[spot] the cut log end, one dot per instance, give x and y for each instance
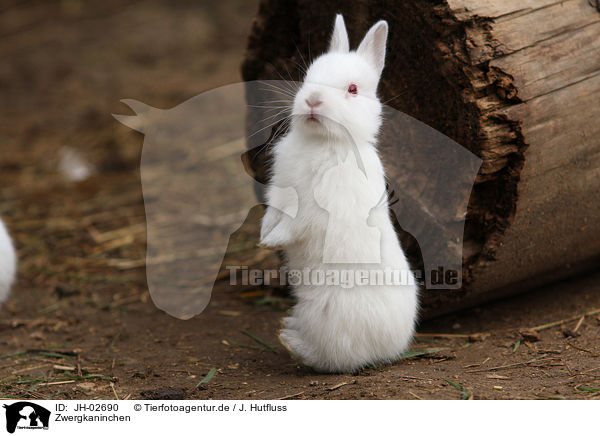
(470, 69)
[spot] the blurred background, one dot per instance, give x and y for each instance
(66, 64)
(67, 167)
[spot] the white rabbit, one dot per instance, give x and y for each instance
(329, 157)
(8, 263)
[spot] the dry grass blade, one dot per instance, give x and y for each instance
(287, 397)
(516, 365)
(112, 386)
(421, 353)
(63, 382)
(571, 344)
(114, 244)
(563, 321)
(63, 368)
(339, 385)
(579, 323)
(100, 238)
(549, 397)
(415, 395)
(443, 335)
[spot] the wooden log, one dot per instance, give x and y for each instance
(517, 82)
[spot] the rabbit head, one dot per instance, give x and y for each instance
(338, 96)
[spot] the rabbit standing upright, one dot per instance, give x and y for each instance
(329, 157)
(8, 263)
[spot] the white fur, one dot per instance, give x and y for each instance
(8, 263)
(333, 329)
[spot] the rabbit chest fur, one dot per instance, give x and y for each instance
(342, 224)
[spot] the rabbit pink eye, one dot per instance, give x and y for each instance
(353, 89)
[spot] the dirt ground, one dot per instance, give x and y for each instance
(77, 326)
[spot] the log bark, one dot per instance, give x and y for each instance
(517, 82)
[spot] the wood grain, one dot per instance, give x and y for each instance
(552, 53)
(515, 81)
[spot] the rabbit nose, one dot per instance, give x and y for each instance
(313, 100)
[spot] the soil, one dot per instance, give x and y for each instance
(77, 326)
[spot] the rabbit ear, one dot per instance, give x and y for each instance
(339, 38)
(372, 46)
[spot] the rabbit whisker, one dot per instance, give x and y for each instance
(284, 125)
(287, 92)
(266, 127)
(274, 115)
